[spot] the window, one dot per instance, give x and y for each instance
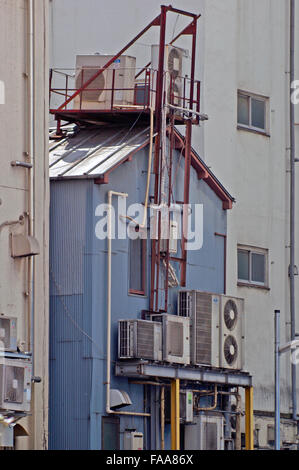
(252, 112)
(137, 265)
(252, 266)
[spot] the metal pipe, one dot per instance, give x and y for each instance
(277, 380)
(30, 267)
(238, 442)
(210, 408)
(292, 202)
(22, 164)
(108, 377)
(163, 418)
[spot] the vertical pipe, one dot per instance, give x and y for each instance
(162, 418)
(292, 201)
(277, 380)
(158, 116)
(249, 418)
(186, 199)
(238, 422)
(30, 320)
(175, 414)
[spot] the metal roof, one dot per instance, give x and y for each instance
(91, 153)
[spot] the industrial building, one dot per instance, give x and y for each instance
(139, 320)
(244, 64)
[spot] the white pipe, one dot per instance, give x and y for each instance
(202, 117)
(108, 378)
(30, 175)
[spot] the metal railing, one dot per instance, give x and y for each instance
(117, 95)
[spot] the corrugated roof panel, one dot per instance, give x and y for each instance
(93, 155)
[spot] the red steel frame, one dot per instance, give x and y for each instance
(191, 30)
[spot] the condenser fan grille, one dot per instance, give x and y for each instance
(230, 314)
(174, 62)
(95, 89)
(230, 350)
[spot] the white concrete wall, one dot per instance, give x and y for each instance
(242, 44)
(14, 184)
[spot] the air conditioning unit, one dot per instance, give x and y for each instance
(231, 332)
(15, 384)
(139, 339)
(207, 433)
(174, 68)
(98, 94)
(8, 333)
(176, 338)
(203, 310)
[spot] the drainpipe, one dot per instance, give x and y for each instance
(108, 379)
(30, 315)
(292, 267)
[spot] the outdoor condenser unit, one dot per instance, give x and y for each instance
(216, 328)
(231, 332)
(203, 310)
(99, 94)
(174, 67)
(206, 433)
(139, 339)
(176, 338)
(15, 384)
(8, 334)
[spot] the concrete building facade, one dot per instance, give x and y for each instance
(24, 197)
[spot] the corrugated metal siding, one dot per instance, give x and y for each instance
(70, 350)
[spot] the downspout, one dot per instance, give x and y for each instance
(108, 378)
(292, 267)
(30, 331)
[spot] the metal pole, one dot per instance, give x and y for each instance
(292, 201)
(249, 418)
(277, 380)
(175, 414)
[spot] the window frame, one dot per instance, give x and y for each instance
(250, 127)
(254, 251)
(141, 292)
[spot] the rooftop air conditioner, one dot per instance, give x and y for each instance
(176, 338)
(139, 339)
(98, 94)
(8, 334)
(203, 310)
(231, 332)
(174, 70)
(15, 384)
(207, 433)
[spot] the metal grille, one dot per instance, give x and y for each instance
(209, 440)
(14, 384)
(185, 303)
(203, 329)
(124, 339)
(175, 336)
(145, 340)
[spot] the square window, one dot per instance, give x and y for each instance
(252, 266)
(252, 111)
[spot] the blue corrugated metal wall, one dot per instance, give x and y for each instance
(79, 263)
